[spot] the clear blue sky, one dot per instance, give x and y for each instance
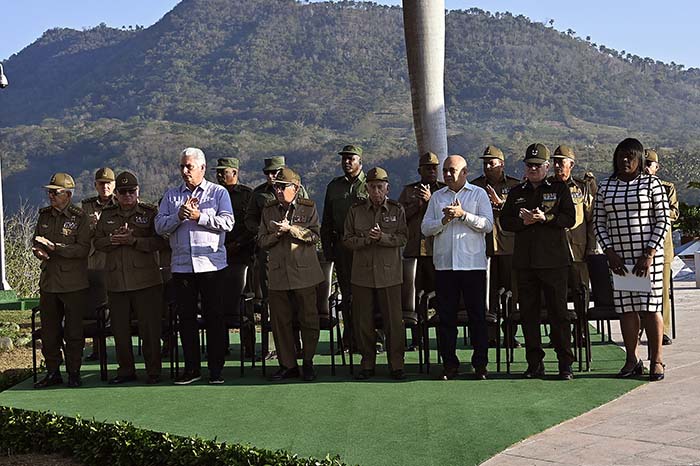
(666, 31)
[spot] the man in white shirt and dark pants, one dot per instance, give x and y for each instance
(459, 216)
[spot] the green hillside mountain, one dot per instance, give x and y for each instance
(263, 77)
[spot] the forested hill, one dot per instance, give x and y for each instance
(263, 77)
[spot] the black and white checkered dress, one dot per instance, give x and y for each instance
(630, 217)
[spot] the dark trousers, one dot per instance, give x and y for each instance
(283, 305)
(146, 305)
(470, 285)
(62, 320)
(189, 289)
(552, 284)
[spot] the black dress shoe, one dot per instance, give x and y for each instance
(666, 340)
(364, 374)
(656, 376)
(481, 373)
(534, 371)
(309, 372)
(398, 374)
(637, 369)
(565, 372)
(120, 379)
(50, 379)
(74, 381)
(284, 373)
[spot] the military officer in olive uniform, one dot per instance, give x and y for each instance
(289, 230)
(375, 230)
(539, 211)
(581, 238)
(499, 243)
(62, 243)
(341, 193)
(652, 166)
(104, 186)
(414, 199)
(126, 234)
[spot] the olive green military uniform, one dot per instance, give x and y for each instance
(674, 213)
(134, 283)
(63, 284)
(541, 256)
(377, 274)
(294, 273)
(93, 206)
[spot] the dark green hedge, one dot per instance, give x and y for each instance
(122, 444)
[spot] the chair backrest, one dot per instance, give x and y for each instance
(323, 291)
(601, 282)
(97, 293)
(408, 288)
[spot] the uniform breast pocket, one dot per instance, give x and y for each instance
(548, 206)
(140, 230)
(389, 225)
(69, 238)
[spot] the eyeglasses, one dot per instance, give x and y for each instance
(125, 191)
(271, 172)
(55, 192)
(649, 163)
(282, 187)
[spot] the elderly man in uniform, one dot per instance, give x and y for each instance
(459, 216)
(240, 242)
(126, 234)
(539, 211)
(62, 243)
(341, 193)
(289, 230)
(499, 243)
(581, 238)
(375, 230)
(196, 215)
(652, 166)
(414, 199)
(104, 186)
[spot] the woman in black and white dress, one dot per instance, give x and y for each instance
(631, 218)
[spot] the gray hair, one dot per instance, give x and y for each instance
(195, 153)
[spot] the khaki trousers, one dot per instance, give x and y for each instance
(62, 321)
(282, 311)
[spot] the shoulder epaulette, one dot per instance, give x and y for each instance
(579, 180)
(46, 209)
(271, 202)
(512, 178)
(410, 185)
(75, 210)
(359, 202)
(89, 199)
(260, 187)
(148, 206)
(303, 201)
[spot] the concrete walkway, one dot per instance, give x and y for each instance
(656, 424)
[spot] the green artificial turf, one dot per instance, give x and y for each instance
(419, 421)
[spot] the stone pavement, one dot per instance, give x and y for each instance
(656, 424)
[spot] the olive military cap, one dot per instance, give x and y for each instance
(493, 152)
(274, 163)
(104, 174)
(651, 156)
(287, 176)
(536, 153)
(429, 158)
(564, 152)
(126, 180)
(61, 181)
(227, 162)
(351, 150)
(377, 174)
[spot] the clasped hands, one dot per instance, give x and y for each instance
(640, 269)
(40, 252)
(532, 216)
(189, 210)
(122, 236)
(452, 211)
(281, 227)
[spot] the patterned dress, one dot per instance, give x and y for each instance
(630, 217)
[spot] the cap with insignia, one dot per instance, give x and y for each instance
(429, 158)
(104, 174)
(61, 181)
(274, 163)
(377, 174)
(227, 162)
(287, 176)
(493, 152)
(564, 152)
(351, 150)
(651, 156)
(536, 153)
(126, 180)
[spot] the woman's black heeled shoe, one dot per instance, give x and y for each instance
(656, 376)
(637, 369)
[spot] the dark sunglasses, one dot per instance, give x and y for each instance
(534, 165)
(55, 192)
(648, 163)
(124, 191)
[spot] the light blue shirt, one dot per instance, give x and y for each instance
(196, 246)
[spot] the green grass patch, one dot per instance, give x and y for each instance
(381, 422)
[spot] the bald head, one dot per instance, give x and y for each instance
(454, 171)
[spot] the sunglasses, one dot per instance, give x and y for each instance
(124, 191)
(649, 163)
(55, 192)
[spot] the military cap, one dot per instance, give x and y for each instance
(61, 181)
(564, 152)
(352, 150)
(126, 180)
(287, 176)
(274, 163)
(536, 153)
(429, 158)
(493, 152)
(227, 162)
(104, 174)
(377, 174)
(651, 156)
